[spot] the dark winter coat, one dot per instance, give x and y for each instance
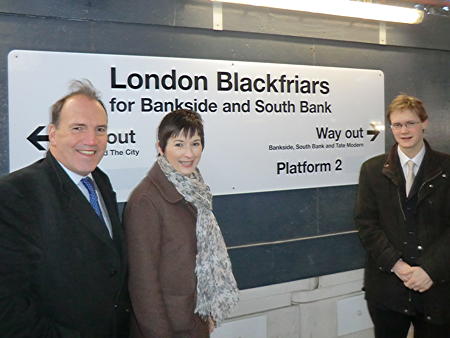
(381, 218)
(61, 274)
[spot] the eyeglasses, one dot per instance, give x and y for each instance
(408, 125)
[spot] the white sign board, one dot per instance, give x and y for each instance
(267, 126)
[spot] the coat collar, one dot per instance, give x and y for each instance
(164, 186)
(431, 164)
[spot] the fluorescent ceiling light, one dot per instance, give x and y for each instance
(354, 9)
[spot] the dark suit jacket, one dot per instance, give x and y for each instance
(160, 229)
(61, 274)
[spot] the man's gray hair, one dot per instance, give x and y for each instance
(76, 87)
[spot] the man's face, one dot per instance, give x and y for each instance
(409, 131)
(79, 141)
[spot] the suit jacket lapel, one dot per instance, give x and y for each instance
(78, 206)
(109, 197)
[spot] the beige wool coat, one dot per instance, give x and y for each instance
(160, 231)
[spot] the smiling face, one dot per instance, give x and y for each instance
(410, 140)
(183, 152)
(79, 139)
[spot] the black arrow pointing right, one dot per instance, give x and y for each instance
(35, 138)
(373, 132)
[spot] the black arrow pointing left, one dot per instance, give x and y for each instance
(35, 138)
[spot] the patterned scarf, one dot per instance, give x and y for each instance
(217, 292)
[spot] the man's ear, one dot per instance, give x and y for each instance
(425, 125)
(51, 134)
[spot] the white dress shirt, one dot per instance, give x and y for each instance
(416, 159)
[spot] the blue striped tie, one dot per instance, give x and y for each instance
(89, 184)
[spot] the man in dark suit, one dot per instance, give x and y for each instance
(62, 257)
(403, 218)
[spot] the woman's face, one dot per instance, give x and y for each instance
(183, 153)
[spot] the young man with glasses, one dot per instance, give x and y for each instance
(403, 219)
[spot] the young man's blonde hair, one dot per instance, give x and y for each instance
(406, 102)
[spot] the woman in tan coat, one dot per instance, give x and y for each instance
(181, 283)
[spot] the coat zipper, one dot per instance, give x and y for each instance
(401, 204)
(420, 188)
(429, 180)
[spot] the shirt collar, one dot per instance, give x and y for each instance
(416, 159)
(76, 178)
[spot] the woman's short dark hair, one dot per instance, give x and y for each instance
(181, 120)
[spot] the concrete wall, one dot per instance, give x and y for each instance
(326, 306)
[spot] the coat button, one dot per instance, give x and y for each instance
(419, 247)
(116, 306)
(405, 311)
(444, 175)
(428, 317)
(431, 186)
(405, 243)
